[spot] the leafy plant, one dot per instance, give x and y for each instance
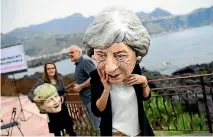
(163, 114)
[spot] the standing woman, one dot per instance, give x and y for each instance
(58, 122)
(117, 41)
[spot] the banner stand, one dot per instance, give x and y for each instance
(13, 61)
(22, 110)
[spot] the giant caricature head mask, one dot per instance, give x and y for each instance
(52, 102)
(117, 40)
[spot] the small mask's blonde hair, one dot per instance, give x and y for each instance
(45, 91)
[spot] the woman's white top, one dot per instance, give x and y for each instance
(124, 109)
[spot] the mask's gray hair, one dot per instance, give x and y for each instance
(116, 25)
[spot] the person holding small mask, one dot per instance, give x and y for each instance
(59, 118)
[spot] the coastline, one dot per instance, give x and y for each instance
(56, 57)
(26, 83)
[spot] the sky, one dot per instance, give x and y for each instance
(22, 13)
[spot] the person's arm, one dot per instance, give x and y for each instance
(145, 90)
(31, 96)
(146, 93)
(85, 84)
(64, 93)
(79, 87)
(89, 66)
(101, 103)
(138, 79)
(98, 97)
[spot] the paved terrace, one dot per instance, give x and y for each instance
(35, 124)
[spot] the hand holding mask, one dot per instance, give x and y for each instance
(51, 100)
(104, 79)
(134, 79)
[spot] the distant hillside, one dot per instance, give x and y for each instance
(40, 45)
(72, 24)
(159, 13)
(57, 34)
(75, 23)
(155, 14)
(168, 23)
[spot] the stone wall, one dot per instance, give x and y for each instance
(24, 85)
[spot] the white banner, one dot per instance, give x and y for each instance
(13, 59)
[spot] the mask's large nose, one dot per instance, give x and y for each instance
(111, 64)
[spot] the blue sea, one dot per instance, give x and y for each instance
(167, 53)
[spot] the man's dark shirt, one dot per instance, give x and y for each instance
(84, 66)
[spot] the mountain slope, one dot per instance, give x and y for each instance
(57, 34)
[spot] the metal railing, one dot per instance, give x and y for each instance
(82, 123)
(177, 107)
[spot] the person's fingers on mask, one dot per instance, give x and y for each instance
(107, 77)
(104, 80)
(125, 81)
(41, 100)
(125, 84)
(128, 79)
(132, 77)
(99, 72)
(132, 81)
(103, 74)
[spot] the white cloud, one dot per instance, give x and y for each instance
(22, 13)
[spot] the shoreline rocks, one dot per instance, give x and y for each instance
(188, 96)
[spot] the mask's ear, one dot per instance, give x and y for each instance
(138, 57)
(93, 57)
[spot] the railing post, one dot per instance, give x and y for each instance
(206, 105)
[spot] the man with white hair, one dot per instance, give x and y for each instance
(84, 65)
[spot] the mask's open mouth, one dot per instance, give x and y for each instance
(56, 106)
(113, 76)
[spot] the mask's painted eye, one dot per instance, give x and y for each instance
(121, 57)
(101, 57)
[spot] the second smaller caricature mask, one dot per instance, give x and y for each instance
(52, 102)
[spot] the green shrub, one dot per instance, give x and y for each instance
(161, 110)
